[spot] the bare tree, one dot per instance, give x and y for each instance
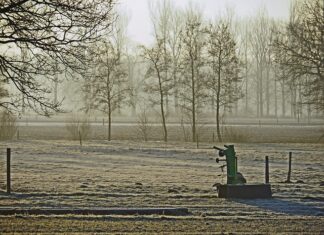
(224, 65)
(110, 83)
(143, 124)
(48, 32)
(168, 23)
(245, 58)
(282, 74)
(193, 91)
(132, 82)
(159, 85)
(175, 45)
(302, 45)
(260, 45)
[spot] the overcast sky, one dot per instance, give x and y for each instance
(139, 28)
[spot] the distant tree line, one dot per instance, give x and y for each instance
(195, 67)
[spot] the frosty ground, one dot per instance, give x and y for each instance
(100, 174)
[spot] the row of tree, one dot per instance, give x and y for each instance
(191, 64)
(193, 67)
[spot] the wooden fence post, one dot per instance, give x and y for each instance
(8, 171)
(267, 170)
(289, 168)
(197, 138)
(80, 138)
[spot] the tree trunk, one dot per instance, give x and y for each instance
(293, 106)
(268, 90)
(218, 102)
(257, 91)
(175, 85)
(261, 92)
(193, 101)
(283, 99)
(56, 89)
(246, 81)
(300, 101)
(165, 131)
(109, 123)
(276, 98)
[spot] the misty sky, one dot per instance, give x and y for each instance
(140, 26)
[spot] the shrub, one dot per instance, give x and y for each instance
(8, 126)
(78, 127)
(235, 135)
(143, 125)
(186, 130)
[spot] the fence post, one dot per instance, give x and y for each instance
(8, 171)
(289, 168)
(80, 138)
(197, 138)
(267, 170)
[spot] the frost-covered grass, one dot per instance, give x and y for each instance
(164, 225)
(57, 173)
(206, 133)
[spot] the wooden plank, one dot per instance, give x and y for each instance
(96, 211)
(248, 191)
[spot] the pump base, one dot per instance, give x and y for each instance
(244, 191)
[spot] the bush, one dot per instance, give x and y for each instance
(186, 130)
(78, 127)
(8, 126)
(235, 135)
(143, 125)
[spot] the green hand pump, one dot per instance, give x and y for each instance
(233, 177)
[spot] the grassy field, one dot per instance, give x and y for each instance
(49, 173)
(177, 133)
(152, 225)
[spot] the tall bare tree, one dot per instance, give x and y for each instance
(175, 45)
(158, 85)
(244, 49)
(47, 32)
(193, 91)
(260, 46)
(161, 13)
(110, 82)
(133, 83)
(224, 64)
(302, 45)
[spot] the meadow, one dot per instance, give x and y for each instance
(51, 171)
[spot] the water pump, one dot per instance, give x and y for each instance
(236, 186)
(233, 176)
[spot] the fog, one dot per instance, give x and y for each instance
(161, 116)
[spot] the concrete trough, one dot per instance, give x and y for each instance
(248, 191)
(96, 211)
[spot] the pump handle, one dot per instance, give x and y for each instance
(218, 148)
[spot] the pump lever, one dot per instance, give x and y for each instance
(222, 167)
(220, 160)
(218, 148)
